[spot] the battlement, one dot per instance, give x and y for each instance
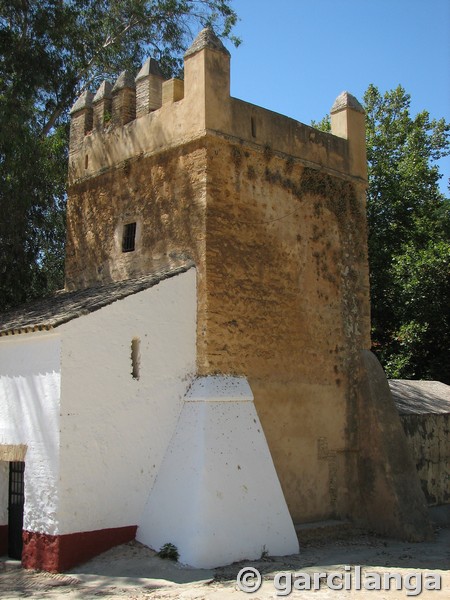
(116, 105)
(145, 114)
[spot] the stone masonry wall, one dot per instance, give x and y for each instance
(164, 194)
(280, 252)
(428, 436)
(287, 305)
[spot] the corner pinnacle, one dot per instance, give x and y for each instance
(346, 100)
(206, 39)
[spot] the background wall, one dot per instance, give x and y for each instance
(428, 437)
(424, 408)
(114, 428)
(29, 414)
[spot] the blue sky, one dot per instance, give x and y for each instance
(298, 55)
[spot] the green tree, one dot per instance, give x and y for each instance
(50, 52)
(409, 236)
(420, 346)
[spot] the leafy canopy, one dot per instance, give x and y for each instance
(50, 52)
(409, 237)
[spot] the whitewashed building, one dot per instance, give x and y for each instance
(102, 417)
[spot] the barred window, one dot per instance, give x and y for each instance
(129, 237)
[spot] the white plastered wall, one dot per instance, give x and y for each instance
(29, 415)
(217, 496)
(114, 428)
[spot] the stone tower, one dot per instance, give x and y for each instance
(272, 212)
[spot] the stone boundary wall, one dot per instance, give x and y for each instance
(424, 408)
(428, 437)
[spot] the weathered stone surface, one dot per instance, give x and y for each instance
(150, 67)
(287, 302)
(428, 437)
(125, 80)
(164, 194)
(13, 452)
(424, 408)
(81, 121)
(83, 102)
(346, 100)
(102, 104)
(148, 95)
(206, 39)
(124, 99)
(104, 91)
(392, 501)
(420, 397)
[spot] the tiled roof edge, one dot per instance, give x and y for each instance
(89, 302)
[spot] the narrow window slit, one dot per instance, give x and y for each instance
(253, 124)
(135, 357)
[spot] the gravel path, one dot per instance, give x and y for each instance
(133, 571)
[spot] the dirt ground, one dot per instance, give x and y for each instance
(133, 571)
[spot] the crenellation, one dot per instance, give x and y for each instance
(149, 82)
(172, 91)
(81, 120)
(161, 114)
(102, 105)
(124, 99)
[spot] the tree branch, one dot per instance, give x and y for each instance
(109, 41)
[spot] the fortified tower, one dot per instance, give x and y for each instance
(272, 212)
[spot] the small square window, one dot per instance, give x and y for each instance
(129, 237)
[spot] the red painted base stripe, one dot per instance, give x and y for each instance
(57, 553)
(3, 540)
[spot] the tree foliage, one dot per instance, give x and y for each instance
(51, 51)
(420, 345)
(409, 237)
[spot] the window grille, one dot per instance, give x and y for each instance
(129, 237)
